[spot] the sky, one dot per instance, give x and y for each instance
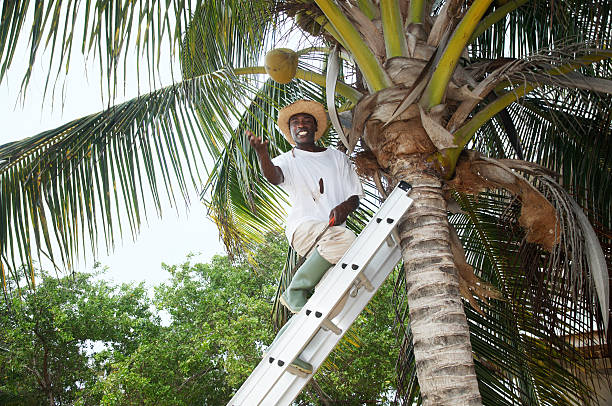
(167, 240)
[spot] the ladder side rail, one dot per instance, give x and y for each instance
(303, 329)
(335, 287)
(288, 388)
(325, 298)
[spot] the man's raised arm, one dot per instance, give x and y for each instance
(273, 173)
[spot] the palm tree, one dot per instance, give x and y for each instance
(495, 111)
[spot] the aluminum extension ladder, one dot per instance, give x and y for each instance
(313, 334)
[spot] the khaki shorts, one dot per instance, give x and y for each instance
(331, 246)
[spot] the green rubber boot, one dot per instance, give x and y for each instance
(304, 280)
(297, 363)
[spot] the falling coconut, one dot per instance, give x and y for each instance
(281, 64)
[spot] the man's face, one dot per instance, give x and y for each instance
(303, 127)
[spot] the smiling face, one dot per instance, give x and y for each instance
(303, 127)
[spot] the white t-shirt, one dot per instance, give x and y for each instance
(316, 182)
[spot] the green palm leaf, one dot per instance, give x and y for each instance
(71, 183)
(538, 25)
(64, 187)
(113, 31)
(225, 34)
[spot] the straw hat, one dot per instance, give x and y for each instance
(311, 107)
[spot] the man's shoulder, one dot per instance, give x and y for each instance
(338, 155)
(282, 156)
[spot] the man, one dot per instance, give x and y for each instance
(323, 189)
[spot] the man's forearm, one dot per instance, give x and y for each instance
(271, 172)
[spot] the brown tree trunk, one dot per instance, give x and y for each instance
(48, 387)
(443, 353)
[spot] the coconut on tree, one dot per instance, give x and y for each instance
(497, 112)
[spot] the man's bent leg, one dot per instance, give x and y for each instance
(304, 280)
(331, 246)
(335, 242)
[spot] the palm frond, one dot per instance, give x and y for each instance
(515, 350)
(492, 218)
(568, 132)
(226, 34)
(63, 187)
(541, 24)
(573, 130)
(565, 128)
(112, 31)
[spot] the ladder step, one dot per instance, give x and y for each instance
(365, 282)
(327, 324)
(296, 371)
(361, 281)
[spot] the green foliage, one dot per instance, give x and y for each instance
(78, 340)
(48, 336)
(219, 323)
(361, 370)
(219, 329)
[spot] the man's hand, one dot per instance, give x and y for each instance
(273, 173)
(342, 211)
(260, 146)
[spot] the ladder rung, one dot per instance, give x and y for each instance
(365, 282)
(293, 370)
(360, 282)
(327, 324)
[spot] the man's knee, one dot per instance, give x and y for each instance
(336, 244)
(349, 237)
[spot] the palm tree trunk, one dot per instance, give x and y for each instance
(442, 349)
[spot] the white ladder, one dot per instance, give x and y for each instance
(312, 334)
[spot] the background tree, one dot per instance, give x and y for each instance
(423, 80)
(78, 340)
(219, 328)
(59, 339)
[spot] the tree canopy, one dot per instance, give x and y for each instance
(58, 340)
(80, 340)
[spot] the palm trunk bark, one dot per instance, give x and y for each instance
(442, 349)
